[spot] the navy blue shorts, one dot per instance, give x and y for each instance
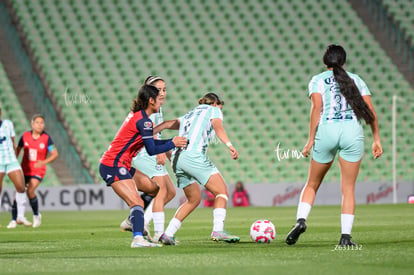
(27, 178)
(111, 174)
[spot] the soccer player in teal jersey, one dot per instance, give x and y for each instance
(9, 165)
(340, 100)
(192, 166)
(154, 167)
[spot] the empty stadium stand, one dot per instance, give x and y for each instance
(259, 55)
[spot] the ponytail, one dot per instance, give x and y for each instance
(352, 95)
(335, 57)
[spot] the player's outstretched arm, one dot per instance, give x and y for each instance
(222, 135)
(173, 124)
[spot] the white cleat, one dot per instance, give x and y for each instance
(24, 221)
(12, 224)
(37, 220)
(139, 241)
(126, 225)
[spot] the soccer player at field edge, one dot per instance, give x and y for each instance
(9, 165)
(154, 167)
(115, 164)
(36, 145)
(192, 166)
(340, 100)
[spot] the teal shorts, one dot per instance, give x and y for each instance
(190, 167)
(346, 137)
(10, 167)
(148, 165)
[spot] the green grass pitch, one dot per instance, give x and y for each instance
(92, 243)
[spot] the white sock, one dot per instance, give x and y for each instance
(347, 220)
(148, 215)
(159, 219)
(173, 227)
(219, 215)
(21, 201)
(304, 209)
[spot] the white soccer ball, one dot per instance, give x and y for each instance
(262, 231)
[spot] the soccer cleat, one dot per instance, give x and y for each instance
(167, 240)
(37, 220)
(293, 235)
(126, 225)
(12, 224)
(139, 241)
(24, 221)
(346, 240)
(224, 236)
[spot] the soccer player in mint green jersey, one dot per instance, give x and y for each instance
(192, 166)
(9, 165)
(340, 100)
(154, 168)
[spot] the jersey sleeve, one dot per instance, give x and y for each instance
(145, 128)
(50, 144)
(155, 147)
(313, 86)
(216, 113)
(21, 142)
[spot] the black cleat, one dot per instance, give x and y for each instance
(293, 235)
(346, 240)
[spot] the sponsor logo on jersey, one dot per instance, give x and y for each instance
(42, 146)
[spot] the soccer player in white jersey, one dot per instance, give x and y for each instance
(154, 168)
(9, 165)
(192, 166)
(340, 100)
